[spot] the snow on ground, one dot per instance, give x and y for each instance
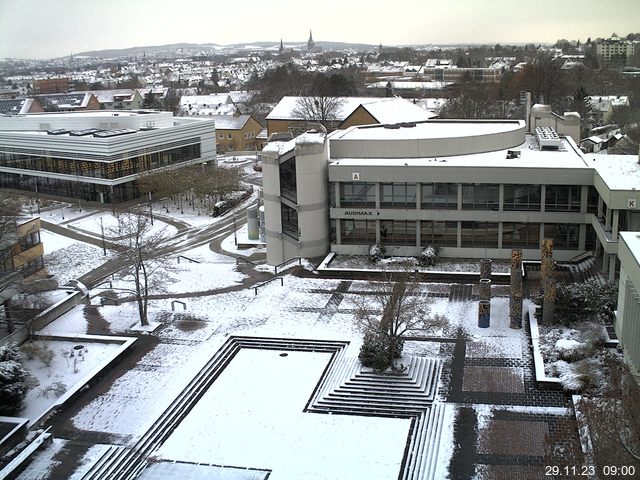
(43, 463)
(259, 400)
(68, 366)
(361, 262)
(242, 237)
(66, 259)
(92, 224)
(72, 322)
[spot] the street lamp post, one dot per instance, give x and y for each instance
(235, 236)
(151, 209)
(104, 246)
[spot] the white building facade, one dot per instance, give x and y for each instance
(473, 189)
(98, 155)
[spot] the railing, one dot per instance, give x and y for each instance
(187, 258)
(255, 289)
(287, 262)
(581, 256)
(249, 262)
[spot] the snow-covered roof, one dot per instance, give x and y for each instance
(383, 106)
(602, 103)
(632, 239)
(397, 110)
(618, 172)
(230, 122)
(109, 96)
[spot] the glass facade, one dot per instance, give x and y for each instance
(522, 197)
(439, 234)
(562, 198)
(357, 194)
(520, 235)
(110, 170)
(358, 232)
(398, 195)
(565, 235)
(480, 196)
(289, 221)
(479, 235)
(439, 196)
(398, 232)
(288, 187)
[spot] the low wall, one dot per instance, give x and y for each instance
(56, 310)
(43, 319)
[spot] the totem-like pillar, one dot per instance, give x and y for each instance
(484, 314)
(485, 289)
(515, 294)
(547, 270)
(485, 268)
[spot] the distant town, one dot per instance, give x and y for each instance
(320, 260)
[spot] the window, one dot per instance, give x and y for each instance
(520, 235)
(357, 194)
(288, 187)
(358, 232)
(522, 197)
(592, 200)
(398, 195)
(479, 235)
(480, 196)
(229, 137)
(30, 240)
(440, 196)
(289, 221)
(562, 198)
(564, 235)
(398, 232)
(221, 136)
(438, 234)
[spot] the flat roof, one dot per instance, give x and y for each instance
(632, 239)
(618, 172)
(430, 129)
(529, 157)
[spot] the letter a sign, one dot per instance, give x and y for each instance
(355, 176)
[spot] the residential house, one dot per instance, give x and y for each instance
(237, 133)
(350, 111)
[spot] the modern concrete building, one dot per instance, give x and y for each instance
(473, 189)
(628, 313)
(98, 155)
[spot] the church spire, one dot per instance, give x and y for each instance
(281, 46)
(311, 44)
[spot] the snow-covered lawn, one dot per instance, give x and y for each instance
(68, 366)
(66, 259)
(259, 422)
(93, 224)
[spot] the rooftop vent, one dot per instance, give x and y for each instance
(513, 154)
(547, 138)
(58, 131)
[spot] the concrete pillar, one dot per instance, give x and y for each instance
(612, 268)
(515, 297)
(252, 223)
(614, 225)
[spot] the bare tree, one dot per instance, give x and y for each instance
(10, 277)
(140, 245)
(319, 108)
(394, 309)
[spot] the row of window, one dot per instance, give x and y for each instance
(475, 196)
(110, 170)
(445, 233)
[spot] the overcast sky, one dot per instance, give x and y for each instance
(53, 28)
